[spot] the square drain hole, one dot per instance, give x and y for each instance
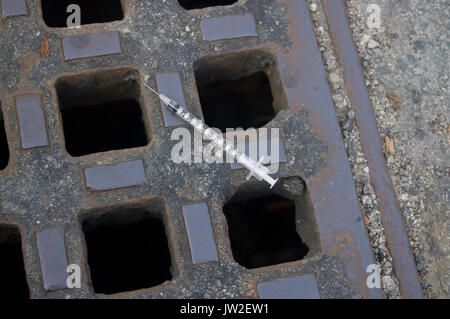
(239, 90)
(268, 228)
(12, 270)
(127, 249)
(55, 12)
(4, 150)
(101, 111)
(200, 4)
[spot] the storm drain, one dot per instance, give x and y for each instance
(267, 228)
(55, 13)
(101, 111)
(127, 249)
(4, 150)
(12, 272)
(200, 4)
(236, 90)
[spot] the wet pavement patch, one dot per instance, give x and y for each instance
(228, 27)
(13, 8)
(53, 258)
(33, 129)
(302, 287)
(200, 233)
(120, 175)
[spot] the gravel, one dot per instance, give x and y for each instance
(405, 64)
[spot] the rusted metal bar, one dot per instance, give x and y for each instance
(397, 239)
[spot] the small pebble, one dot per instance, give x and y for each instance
(334, 78)
(373, 44)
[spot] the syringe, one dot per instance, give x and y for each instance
(256, 168)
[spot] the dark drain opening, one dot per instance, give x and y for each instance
(200, 4)
(101, 111)
(239, 90)
(127, 250)
(263, 231)
(4, 150)
(12, 269)
(55, 12)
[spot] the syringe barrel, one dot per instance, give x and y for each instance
(247, 162)
(257, 170)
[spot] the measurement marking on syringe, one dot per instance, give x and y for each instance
(209, 133)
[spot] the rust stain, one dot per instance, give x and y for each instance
(47, 199)
(45, 47)
(390, 145)
(394, 99)
(343, 240)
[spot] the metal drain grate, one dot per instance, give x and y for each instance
(90, 155)
(129, 245)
